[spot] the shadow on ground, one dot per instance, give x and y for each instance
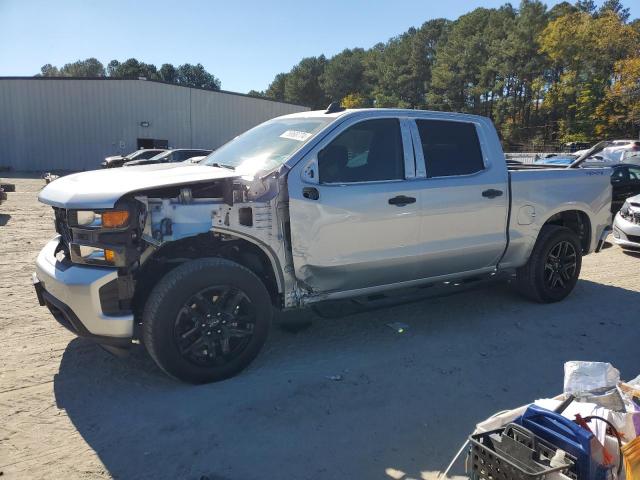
(632, 253)
(4, 219)
(405, 402)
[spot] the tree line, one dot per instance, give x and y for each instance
(568, 73)
(186, 74)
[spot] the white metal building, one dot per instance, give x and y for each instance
(49, 124)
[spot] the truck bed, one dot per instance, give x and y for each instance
(537, 194)
(513, 165)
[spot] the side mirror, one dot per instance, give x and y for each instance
(310, 172)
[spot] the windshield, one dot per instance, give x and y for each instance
(268, 145)
(132, 155)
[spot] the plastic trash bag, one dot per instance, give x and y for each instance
(589, 376)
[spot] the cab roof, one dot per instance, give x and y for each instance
(389, 111)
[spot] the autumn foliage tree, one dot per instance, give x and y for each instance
(187, 74)
(619, 112)
(543, 75)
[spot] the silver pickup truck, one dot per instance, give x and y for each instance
(193, 260)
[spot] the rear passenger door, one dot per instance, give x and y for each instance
(464, 198)
(354, 208)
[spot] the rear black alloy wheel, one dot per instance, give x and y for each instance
(553, 267)
(214, 325)
(560, 267)
(206, 320)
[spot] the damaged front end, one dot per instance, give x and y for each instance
(149, 231)
(129, 247)
(241, 218)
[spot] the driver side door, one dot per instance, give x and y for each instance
(354, 208)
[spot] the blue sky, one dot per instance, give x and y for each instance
(245, 43)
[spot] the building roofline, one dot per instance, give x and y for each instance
(153, 81)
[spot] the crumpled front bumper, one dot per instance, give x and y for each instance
(72, 294)
(626, 233)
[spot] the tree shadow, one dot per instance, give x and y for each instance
(347, 397)
(4, 219)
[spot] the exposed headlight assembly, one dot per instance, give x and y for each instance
(624, 211)
(104, 219)
(87, 218)
(100, 237)
(90, 255)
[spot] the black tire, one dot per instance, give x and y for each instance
(544, 278)
(190, 300)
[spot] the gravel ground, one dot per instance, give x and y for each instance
(400, 407)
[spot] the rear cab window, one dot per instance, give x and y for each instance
(450, 148)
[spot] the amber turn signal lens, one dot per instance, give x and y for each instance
(115, 218)
(109, 256)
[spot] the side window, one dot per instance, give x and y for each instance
(634, 173)
(146, 155)
(450, 148)
(366, 152)
(620, 174)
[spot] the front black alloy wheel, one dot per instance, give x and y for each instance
(206, 320)
(214, 325)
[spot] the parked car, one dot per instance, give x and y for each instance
(195, 159)
(631, 156)
(304, 208)
(626, 226)
(557, 159)
(576, 146)
(118, 160)
(170, 156)
(596, 160)
(617, 150)
(625, 179)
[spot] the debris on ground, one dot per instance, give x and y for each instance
(49, 177)
(335, 378)
(596, 421)
(399, 327)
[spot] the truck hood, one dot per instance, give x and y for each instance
(102, 188)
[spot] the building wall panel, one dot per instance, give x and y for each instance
(72, 124)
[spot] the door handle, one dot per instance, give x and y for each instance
(401, 200)
(492, 193)
(311, 193)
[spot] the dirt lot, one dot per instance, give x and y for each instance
(403, 406)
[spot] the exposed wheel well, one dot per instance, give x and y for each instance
(176, 253)
(578, 222)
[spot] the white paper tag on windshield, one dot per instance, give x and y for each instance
(295, 135)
